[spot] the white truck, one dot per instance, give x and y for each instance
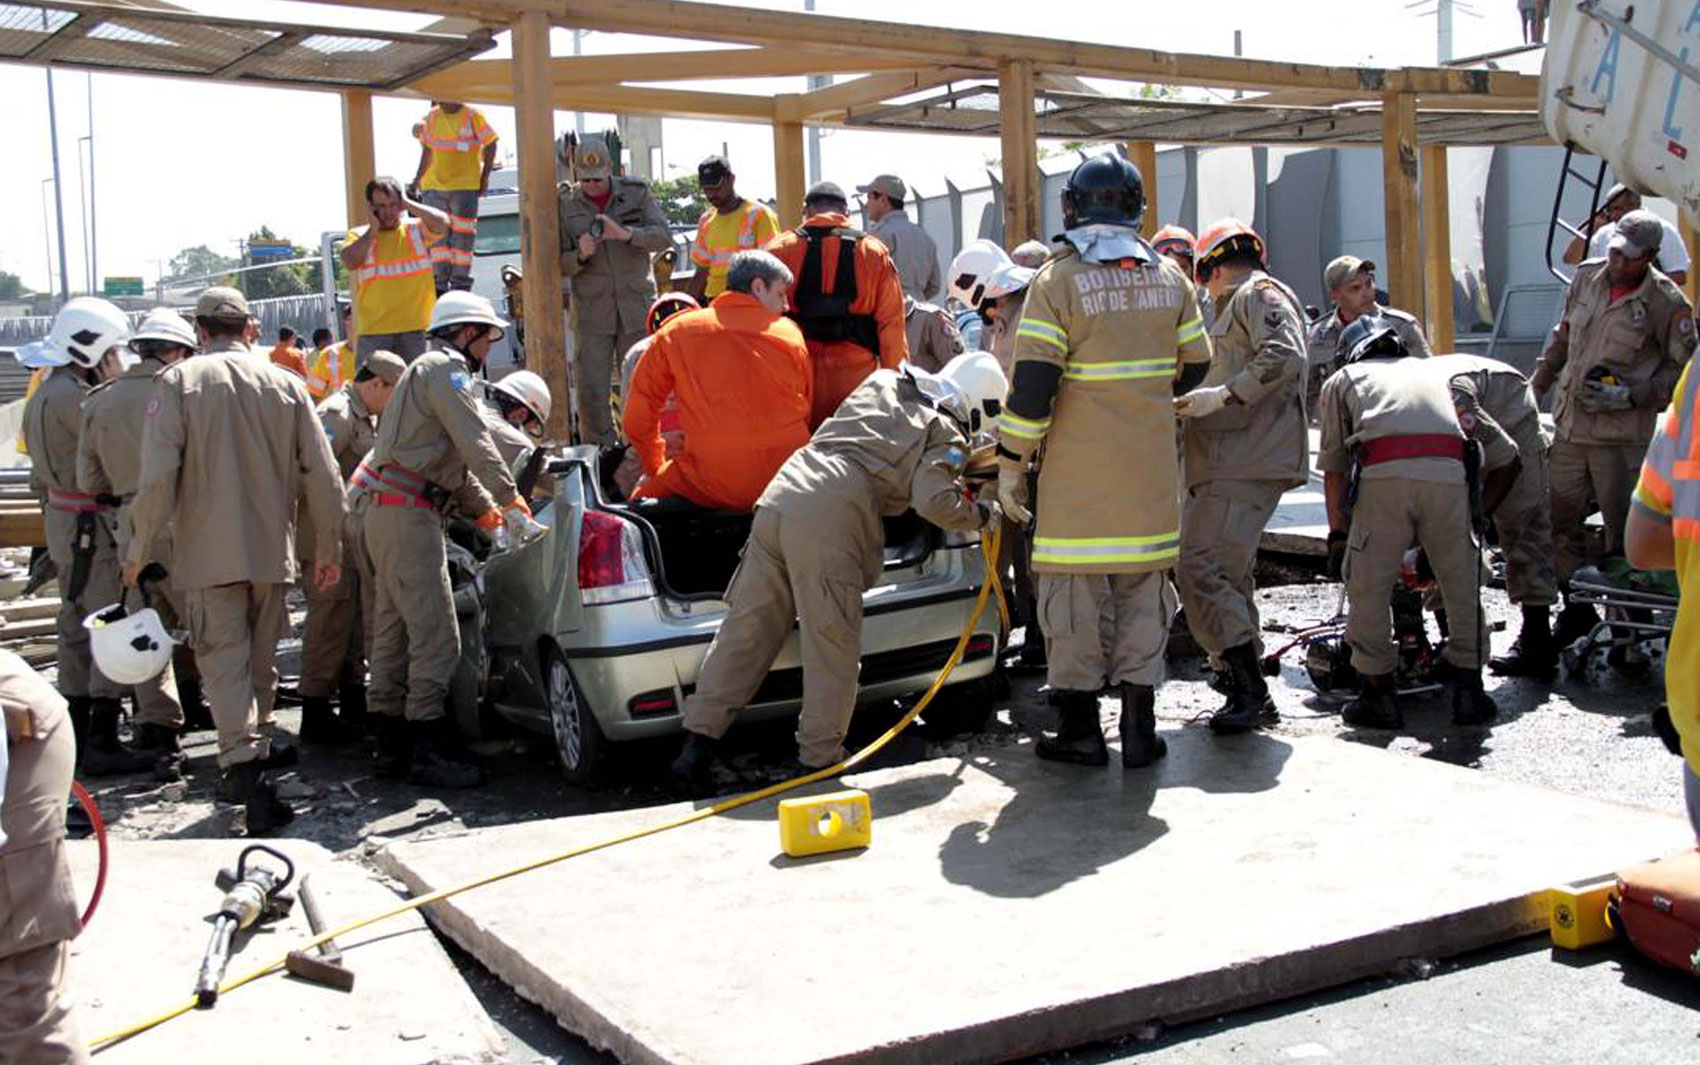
(1621, 82)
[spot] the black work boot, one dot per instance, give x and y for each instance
(1249, 702)
(437, 759)
(1535, 654)
(1377, 705)
(351, 705)
(1080, 740)
(395, 747)
(1575, 621)
(1471, 704)
(77, 706)
(106, 755)
(692, 771)
(319, 724)
(197, 716)
(282, 754)
(161, 742)
(246, 784)
(1140, 743)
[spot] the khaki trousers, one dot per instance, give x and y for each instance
(415, 634)
(596, 359)
(1391, 515)
(36, 1025)
(78, 677)
(1580, 477)
(338, 632)
(235, 629)
(1524, 523)
(1104, 628)
(1221, 525)
(792, 569)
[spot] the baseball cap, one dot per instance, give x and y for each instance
(825, 190)
(386, 364)
(221, 302)
(1343, 269)
(889, 185)
(713, 170)
(591, 160)
(1639, 234)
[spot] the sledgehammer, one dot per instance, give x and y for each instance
(325, 965)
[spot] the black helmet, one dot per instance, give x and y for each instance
(1371, 337)
(1105, 188)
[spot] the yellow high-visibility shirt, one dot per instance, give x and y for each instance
(332, 367)
(721, 236)
(457, 144)
(393, 289)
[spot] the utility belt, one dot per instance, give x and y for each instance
(828, 326)
(392, 485)
(63, 499)
(1411, 446)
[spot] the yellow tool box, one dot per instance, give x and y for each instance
(1577, 912)
(838, 821)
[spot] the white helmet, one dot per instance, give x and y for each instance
(128, 648)
(88, 327)
(979, 378)
(528, 389)
(163, 323)
(460, 308)
(1008, 279)
(972, 268)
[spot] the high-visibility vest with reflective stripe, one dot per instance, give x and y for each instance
(717, 258)
(332, 368)
(395, 295)
(455, 157)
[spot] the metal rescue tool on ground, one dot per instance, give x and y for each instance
(253, 893)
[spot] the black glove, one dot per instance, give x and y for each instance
(1336, 556)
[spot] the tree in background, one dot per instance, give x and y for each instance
(681, 199)
(200, 261)
(11, 286)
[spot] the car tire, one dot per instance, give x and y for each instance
(579, 742)
(961, 708)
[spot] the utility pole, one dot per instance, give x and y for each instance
(1443, 31)
(578, 49)
(94, 230)
(816, 81)
(58, 197)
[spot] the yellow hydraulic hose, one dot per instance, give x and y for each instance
(989, 550)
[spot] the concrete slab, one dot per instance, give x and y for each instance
(1009, 906)
(142, 952)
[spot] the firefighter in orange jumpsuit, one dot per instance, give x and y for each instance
(851, 312)
(741, 374)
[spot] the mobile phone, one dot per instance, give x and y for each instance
(596, 230)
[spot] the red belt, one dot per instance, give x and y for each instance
(392, 486)
(73, 502)
(1413, 446)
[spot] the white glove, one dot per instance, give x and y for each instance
(1012, 492)
(522, 528)
(1201, 402)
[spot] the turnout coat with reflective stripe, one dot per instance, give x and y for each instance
(1096, 356)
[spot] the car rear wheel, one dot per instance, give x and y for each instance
(578, 738)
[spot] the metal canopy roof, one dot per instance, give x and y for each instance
(973, 109)
(190, 44)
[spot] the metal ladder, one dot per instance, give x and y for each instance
(1566, 173)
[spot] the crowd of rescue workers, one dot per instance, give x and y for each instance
(1129, 412)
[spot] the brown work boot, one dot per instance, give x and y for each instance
(1080, 740)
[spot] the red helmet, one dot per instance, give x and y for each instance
(1174, 240)
(666, 306)
(1228, 237)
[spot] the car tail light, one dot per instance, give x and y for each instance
(610, 560)
(979, 646)
(653, 704)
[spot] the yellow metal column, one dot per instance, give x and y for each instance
(1144, 156)
(540, 221)
(1399, 179)
(359, 157)
(1020, 152)
(1437, 250)
(789, 172)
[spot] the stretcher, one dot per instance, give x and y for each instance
(1639, 608)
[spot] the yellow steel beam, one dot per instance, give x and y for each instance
(788, 169)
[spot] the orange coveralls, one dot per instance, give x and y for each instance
(742, 380)
(841, 365)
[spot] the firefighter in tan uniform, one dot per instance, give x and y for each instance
(899, 440)
(609, 227)
(1391, 436)
(38, 901)
(1496, 408)
(88, 338)
(433, 448)
(338, 631)
(1110, 334)
(1626, 333)
(229, 447)
(933, 339)
(109, 465)
(1350, 282)
(1246, 444)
